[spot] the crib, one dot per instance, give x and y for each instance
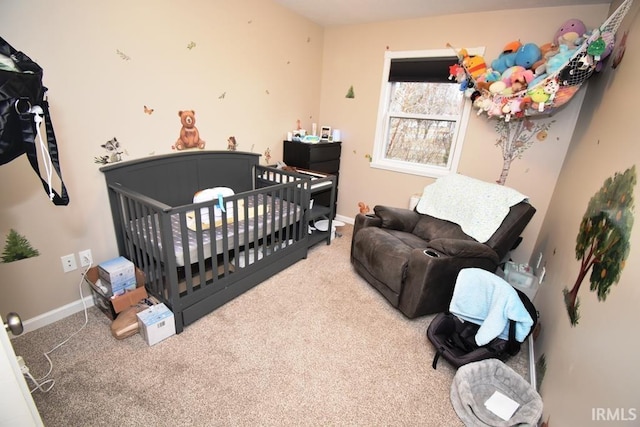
(195, 256)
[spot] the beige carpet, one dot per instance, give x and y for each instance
(313, 345)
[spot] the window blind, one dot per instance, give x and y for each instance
(429, 70)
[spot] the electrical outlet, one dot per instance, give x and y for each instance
(85, 258)
(68, 263)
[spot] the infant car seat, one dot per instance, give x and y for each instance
(487, 318)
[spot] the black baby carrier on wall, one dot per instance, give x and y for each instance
(487, 319)
(23, 109)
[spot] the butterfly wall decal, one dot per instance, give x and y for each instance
(123, 55)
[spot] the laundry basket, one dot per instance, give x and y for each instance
(476, 382)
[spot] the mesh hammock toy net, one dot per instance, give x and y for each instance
(548, 91)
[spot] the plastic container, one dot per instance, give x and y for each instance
(520, 277)
(323, 225)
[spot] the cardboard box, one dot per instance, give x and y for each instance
(111, 305)
(104, 304)
(118, 275)
(156, 323)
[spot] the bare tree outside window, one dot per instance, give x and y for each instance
(422, 122)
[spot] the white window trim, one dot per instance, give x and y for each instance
(378, 160)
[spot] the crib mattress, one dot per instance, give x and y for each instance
(230, 215)
(246, 234)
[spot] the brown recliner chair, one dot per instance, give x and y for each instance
(413, 259)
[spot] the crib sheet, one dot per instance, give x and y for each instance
(291, 213)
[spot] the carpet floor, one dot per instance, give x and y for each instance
(313, 345)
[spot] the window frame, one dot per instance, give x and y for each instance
(378, 160)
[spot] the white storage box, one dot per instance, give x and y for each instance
(118, 275)
(156, 323)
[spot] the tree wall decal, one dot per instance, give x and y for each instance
(515, 137)
(17, 247)
(602, 244)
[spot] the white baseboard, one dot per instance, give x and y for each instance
(56, 314)
(532, 364)
(345, 219)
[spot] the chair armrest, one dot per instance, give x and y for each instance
(362, 221)
(397, 218)
(432, 273)
(463, 249)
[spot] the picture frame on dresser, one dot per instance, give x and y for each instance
(325, 133)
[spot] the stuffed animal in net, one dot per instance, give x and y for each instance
(558, 68)
(570, 33)
(507, 57)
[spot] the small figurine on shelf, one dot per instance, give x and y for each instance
(232, 144)
(298, 133)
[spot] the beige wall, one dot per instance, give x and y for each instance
(353, 55)
(243, 48)
(593, 365)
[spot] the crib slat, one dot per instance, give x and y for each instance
(213, 232)
(169, 290)
(154, 274)
(142, 213)
(256, 204)
(184, 240)
(124, 210)
(225, 244)
(245, 229)
(200, 246)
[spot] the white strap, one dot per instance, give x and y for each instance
(38, 115)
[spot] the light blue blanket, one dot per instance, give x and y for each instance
(485, 299)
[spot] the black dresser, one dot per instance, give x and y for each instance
(320, 157)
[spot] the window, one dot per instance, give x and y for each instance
(422, 114)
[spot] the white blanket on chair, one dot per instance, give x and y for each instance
(478, 207)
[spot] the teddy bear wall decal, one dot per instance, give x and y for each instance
(189, 134)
